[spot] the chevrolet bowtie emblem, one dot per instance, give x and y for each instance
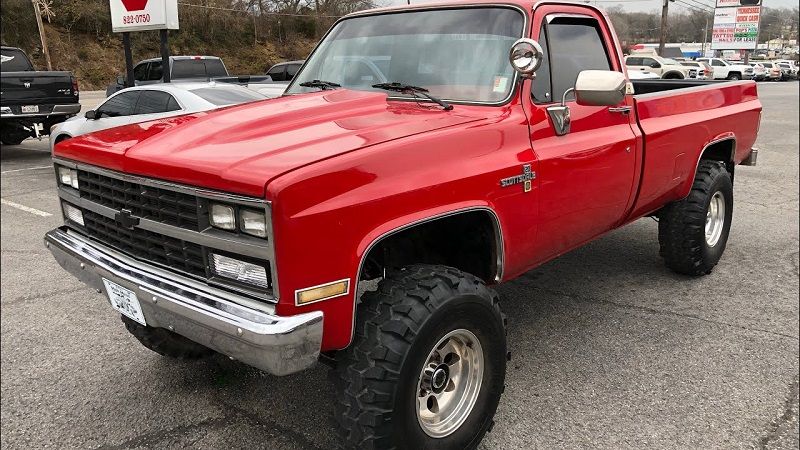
(527, 176)
(126, 219)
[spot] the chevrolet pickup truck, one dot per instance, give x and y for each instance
(361, 218)
(32, 101)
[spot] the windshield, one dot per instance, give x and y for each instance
(457, 54)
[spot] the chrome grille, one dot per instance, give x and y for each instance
(164, 250)
(148, 202)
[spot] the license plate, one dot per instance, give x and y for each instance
(125, 301)
(30, 108)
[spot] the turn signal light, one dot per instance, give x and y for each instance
(321, 292)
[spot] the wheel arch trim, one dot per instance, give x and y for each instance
(498, 235)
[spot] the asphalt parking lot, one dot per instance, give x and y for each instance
(610, 349)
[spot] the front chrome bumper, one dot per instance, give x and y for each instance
(232, 325)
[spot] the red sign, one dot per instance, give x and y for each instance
(134, 5)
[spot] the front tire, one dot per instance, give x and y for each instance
(734, 77)
(427, 364)
(693, 232)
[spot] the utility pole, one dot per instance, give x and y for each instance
(663, 40)
(705, 39)
(41, 33)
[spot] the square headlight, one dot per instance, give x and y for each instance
(241, 271)
(222, 216)
(253, 222)
(68, 177)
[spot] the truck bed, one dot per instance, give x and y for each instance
(678, 120)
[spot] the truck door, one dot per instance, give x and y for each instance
(586, 175)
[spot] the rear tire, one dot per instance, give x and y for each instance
(165, 342)
(423, 324)
(12, 140)
(734, 76)
(693, 232)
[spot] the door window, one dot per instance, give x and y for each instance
(634, 61)
(291, 71)
(277, 73)
(156, 71)
(140, 72)
(717, 63)
(153, 102)
(119, 105)
(650, 62)
(577, 45)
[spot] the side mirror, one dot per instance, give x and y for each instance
(525, 57)
(120, 80)
(655, 65)
(91, 114)
(600, 88)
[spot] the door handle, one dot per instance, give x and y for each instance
(620, 109)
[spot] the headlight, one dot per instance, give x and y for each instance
(68, 177)
(241, 271)
(222, 216)
(253, 222)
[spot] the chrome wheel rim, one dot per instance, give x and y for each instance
(715, 219)
(449, 383)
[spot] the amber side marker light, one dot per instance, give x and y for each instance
(322, 292)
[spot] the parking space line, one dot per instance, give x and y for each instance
(25, 208)
(27, 168)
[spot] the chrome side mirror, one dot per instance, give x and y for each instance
(600, 88)
(525, 57)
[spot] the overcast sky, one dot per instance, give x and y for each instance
(636, 5)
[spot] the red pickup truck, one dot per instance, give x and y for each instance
(420, 155)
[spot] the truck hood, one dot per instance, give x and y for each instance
(240, 149)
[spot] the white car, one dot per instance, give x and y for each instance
(149, 102)
(724, 70)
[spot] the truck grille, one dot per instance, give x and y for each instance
(147, 202)
(165, 250)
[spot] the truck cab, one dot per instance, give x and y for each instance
(421, 155)
(724, 70)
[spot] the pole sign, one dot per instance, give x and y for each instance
(736, 25)
(142, 15)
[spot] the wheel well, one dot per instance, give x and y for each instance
(721, 151)
(61, 138)
(469, 241)
(673, 76)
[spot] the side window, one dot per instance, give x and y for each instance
(291, 71)
(140, 72)
(717, 63)
(119, 105)
(577, 45)
(215, 68)
(277, 73)
(541, 85)
(634, 61)
(648, 62)
(152, 102)
(173, 105)
(156, 71)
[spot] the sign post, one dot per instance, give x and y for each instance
(736, 24)
(144, 15)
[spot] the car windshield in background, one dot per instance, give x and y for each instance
(198, 68)
(457, 54)
(14, 61)
(222, 97)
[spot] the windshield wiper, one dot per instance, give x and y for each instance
(324, 85)
(409, 89)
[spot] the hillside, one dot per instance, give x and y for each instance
(80, 40)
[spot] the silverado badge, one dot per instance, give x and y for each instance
(526, 177)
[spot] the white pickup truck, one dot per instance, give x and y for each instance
(724, 70)
(664, 67)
